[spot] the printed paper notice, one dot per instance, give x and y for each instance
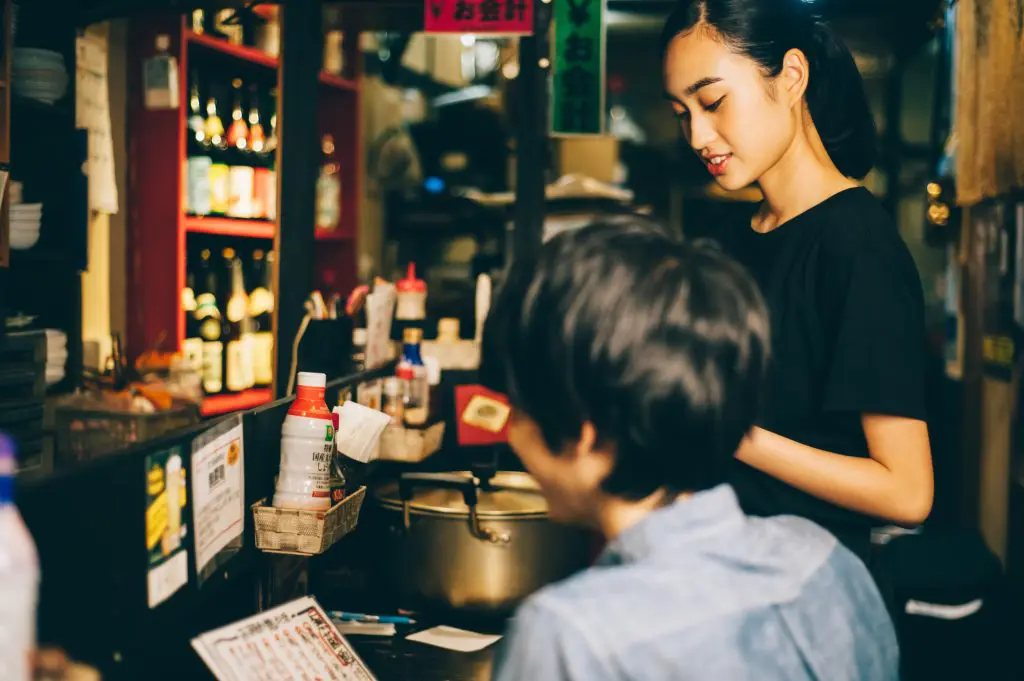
(296, 641)
(92, 113)
(218, 484)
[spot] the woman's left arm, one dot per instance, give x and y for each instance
(895, 483)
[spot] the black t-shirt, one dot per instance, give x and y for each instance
(847, 318)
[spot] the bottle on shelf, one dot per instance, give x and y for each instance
(238, 132)
(257, 137)
(192, 347)
(261, 310)
(220, 194)
(328, 187)
(236, 306)
(210, 322)
(197, 173)
(19, 577)
(413, 374)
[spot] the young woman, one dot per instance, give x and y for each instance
(766, 94)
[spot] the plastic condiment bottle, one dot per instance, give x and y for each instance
(413, 372)
(412, 297)
(307, 448)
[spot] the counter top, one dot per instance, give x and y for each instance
(395, 659)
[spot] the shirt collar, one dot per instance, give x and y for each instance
(705, 514)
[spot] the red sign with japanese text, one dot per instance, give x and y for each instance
(495, 17)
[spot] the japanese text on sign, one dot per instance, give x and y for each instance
(579, 87)
(494, 17)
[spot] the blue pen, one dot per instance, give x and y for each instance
(366, 619)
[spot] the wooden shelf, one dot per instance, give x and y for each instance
(261, 58)
(249, 54)
(324, 235)
(253, 229)
(225, 404)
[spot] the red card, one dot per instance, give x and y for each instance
(468, 433)
(493, 17)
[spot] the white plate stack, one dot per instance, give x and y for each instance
(25, 220)
(39, 74)
(56, 355)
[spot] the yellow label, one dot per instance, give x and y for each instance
(213, 373)
(192, 350)
(263, 357)
(155, 481)
(220, 191)
(260, 301)
(156, 521)
(236, 366)
(486, 413)
(998, 350)
(236, 308)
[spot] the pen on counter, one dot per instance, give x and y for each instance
(376, 619)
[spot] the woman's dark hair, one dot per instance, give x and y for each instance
(765, 30)
(659, 344)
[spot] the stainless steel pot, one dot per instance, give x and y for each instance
(455, 541)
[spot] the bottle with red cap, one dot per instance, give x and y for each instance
(412, 297)
(307, 449)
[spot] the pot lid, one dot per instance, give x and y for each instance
(520, 496)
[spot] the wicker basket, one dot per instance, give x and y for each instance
(305, 533)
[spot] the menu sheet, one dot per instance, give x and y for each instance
(218, 490)
(293, 642)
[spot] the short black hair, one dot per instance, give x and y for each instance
(661, 345)
(764, 31)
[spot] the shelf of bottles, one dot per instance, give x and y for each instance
(228, 304)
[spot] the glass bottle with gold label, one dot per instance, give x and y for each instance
(235, 345)
(261, 310)
(210, 322)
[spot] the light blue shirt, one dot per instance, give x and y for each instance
(699, 591)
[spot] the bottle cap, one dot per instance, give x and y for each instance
(412, 335)
(309, 379)
(448, 329)
(410, 284)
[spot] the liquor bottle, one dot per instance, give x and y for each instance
(210, 322)
(328, 188)
(237, 307)
(257, 136)
(192, 347)
(261, 310)
(238, 132)
(197, 139)
(220, 194)
(197, 173)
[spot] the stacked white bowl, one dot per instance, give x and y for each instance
(25, 221)
(56, 355)
(39, 74)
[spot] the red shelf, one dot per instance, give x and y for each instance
(324, 235)
(338, 82)
(249, 54)
(224, 404)
(253, 229)
(257, 56)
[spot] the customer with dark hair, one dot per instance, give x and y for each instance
(634, 366)
(765, 93)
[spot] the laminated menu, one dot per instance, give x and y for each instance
(295, 641)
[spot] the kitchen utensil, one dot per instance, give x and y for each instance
(456, 541)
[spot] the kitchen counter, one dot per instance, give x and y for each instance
(395, 659)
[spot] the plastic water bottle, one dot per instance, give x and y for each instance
(307, 449)
(19, 578)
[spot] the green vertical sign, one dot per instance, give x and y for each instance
(577, 102)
